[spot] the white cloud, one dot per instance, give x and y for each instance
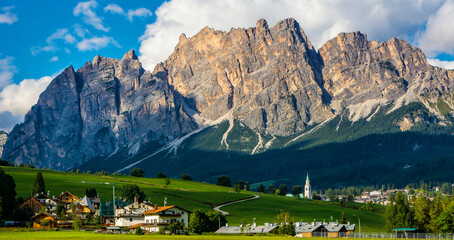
(86, 9)
(61, 33)
(54, 59)
(95, 43)
(113, 8)
(7, 71)
(442, 64)
(321, 20)
(49, 48)
(140, 12)
(18, 98)
(439, 34)
(6, 16)
(80, 31)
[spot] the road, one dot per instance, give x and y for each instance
(242, 200)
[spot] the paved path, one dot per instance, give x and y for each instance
(242, 200)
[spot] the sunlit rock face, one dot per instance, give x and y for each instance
(271, 79)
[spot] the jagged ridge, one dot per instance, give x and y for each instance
(270, 79)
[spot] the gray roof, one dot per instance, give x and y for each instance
(237, 230)
(350, 227)
(305, 228)
(334, 227)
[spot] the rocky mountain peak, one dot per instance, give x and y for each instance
(131, 54)
(270, 80)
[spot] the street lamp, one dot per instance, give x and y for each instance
(359, 221)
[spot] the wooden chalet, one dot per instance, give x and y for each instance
(81, 211)
(39, 218)
(28, 208)
(66, 198)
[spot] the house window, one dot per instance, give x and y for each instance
(130, 219)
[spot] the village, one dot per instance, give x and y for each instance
(123, 217)
(69, 211)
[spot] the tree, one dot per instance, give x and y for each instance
(343, 218)
(445, 222)
(186, 177)
(224, 181)
(7, 195)
(76, 224)
(60, 210)
(137, 172)
(237, 187)
(368, 207)
(282, 189)
(199, 221)
(297, 190)
(139, 231)
(286, 226)
(130, 191)
(161, 175)
(91, 192)
(422, 212)
(167, 182)
(435, 211)
(316, 197)
(38, 186)
(399, 214)
(271, 189)
(261, 189)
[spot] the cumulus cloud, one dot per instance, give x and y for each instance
(442, 64)
(321, 20)
(96, 43)
(439, 34)
(7, 71)
(17, 99)
(54, 59)
(140, 12)
(86, 10)
(6, 16)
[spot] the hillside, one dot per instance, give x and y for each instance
(193, 195)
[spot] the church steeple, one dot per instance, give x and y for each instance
(307, 188)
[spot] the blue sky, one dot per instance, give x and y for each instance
(41, 38)
(37, 22)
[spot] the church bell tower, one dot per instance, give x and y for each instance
(307, 188)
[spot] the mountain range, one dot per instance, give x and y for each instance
(259, 104)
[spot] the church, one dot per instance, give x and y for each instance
(307, 188)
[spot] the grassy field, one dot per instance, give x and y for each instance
(192, 195)
(91, 235)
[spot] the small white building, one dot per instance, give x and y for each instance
(132, 214)
(129, 220)
(160, 217)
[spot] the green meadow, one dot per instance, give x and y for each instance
(197, 195)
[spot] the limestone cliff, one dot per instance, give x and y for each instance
(3, 137)
(271, 79)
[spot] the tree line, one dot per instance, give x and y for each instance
(434, 216)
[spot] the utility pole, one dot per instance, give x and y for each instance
(114, 207)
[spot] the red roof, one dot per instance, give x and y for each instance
(157, 210)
